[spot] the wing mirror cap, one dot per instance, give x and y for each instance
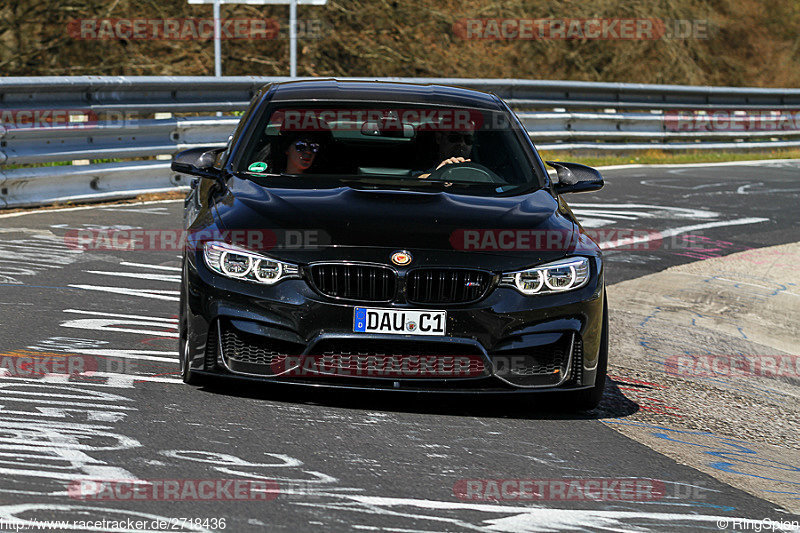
(574, 177)
(197, 162)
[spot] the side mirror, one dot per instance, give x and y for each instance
(573, 177)
(197, 162)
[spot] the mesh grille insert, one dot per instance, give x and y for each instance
(212, 345)
(399, 359)
(242, 347)
(538, 365)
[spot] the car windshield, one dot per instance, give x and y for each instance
(471, 151)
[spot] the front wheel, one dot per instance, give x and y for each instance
(588, 399)
(187, 374)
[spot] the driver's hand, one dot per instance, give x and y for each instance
(448, 161)
(451, 161)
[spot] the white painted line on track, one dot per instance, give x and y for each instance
(113, 380)
(141, 355)
(155, 267)
(83, 208)
(700, 165)
(113, 326)
(680, 212)
(149, 277)
(608, 245)
(116, 315)
(170, 296)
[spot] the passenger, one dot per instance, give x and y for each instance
(294, 152)
(301, 153)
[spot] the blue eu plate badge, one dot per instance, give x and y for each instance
(360, 323)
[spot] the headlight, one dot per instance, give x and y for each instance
(558, 276)
(239, 263)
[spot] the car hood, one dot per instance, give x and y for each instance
(368, 225)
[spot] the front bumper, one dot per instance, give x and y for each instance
(514, 343)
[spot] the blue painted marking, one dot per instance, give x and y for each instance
(712, 506)
(732, 450)
(727, 467)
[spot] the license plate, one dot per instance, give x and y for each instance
(399, 321)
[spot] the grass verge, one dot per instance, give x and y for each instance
(654, 157)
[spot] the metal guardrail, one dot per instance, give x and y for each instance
(77, 183)
(198, 94)
(139, 138)
(558, 114)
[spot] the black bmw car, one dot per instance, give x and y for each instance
(390, 236)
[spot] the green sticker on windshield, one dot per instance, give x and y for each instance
(258, 166)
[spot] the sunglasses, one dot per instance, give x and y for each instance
(458, 137)
(305, 146)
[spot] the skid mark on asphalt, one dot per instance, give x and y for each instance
(59, 428)
(122, 367)
(515, 519)
(639, 392)
(144, 273)
(29, 257)
(291, 474)
(594, 215)
(702, 247)
(673, 232)
(123, 323)
(309, 488)
(135, 362)
(53, 432)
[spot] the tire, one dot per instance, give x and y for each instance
(188, 375)
(588, 399)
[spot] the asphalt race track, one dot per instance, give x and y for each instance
(341, 462)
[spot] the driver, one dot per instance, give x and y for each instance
(453, 147)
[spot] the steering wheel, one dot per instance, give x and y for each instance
(466, 172)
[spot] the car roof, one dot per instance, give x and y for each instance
(382, 91)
